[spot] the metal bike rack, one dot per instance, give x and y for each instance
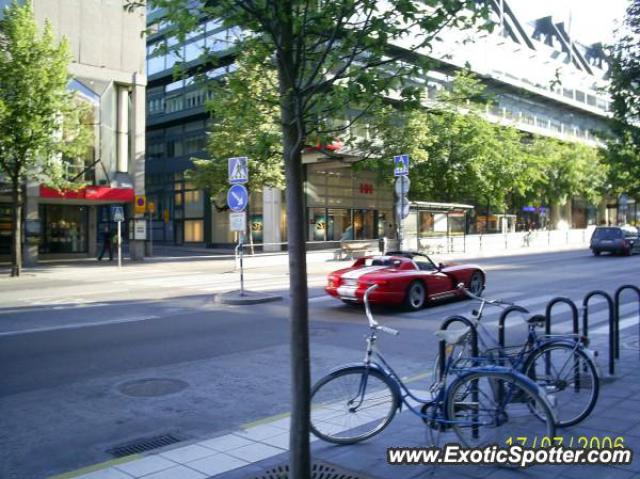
(617, 295)
(574, 313)
(612, 324)
(503, 318)
(442, 346)
(442, 349)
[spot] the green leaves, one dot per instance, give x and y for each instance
(40, 124)
(245, 113)
(624, 146)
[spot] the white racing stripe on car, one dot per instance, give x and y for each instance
(357, 273)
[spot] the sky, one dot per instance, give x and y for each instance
(591, 20)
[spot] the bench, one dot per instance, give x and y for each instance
(358, 249)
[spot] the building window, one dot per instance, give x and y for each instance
(193, 231)
(174, 104)
(193, 204)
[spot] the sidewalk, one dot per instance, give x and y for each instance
(251, 452)
(226, 260)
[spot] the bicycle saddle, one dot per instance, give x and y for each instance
(537, 319)
(452, 336)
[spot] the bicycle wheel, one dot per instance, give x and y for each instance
(569, 378)
(352, 404)
(495, 407)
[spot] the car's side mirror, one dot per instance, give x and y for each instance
(440, 266)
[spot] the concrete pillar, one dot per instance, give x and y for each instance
(137, 145)
(93, 231)
(122, 129)
(271, 211)
(31, 213)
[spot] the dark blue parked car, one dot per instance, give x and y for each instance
(622, 240)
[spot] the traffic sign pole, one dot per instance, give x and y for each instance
(119, 244)
(237, 200)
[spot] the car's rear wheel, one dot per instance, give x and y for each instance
(416, 296)
(476, 283)
(596, 253)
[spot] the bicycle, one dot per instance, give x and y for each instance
(483, 405)
(559, 363)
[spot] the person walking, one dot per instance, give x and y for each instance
(106, 243)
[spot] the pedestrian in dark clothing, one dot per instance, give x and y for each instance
(106, 243)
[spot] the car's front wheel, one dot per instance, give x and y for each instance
(416, 296)
(596, 253)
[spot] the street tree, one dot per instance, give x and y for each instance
(330, 58)
(41, 124)
(624, 146)
(560, 171)
(245, 122)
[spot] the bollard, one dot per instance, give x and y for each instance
(617, 295)
(503, 318)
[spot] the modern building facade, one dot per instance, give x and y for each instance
(543, 83)
(108, 71)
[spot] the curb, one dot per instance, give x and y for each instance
(248, 297)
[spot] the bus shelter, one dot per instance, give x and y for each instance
(436, 227)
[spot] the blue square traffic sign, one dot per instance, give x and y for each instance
(238, 169)
(401, 165)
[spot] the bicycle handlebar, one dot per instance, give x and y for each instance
(495, 302)
(373, 324)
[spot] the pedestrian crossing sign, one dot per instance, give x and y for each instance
(238, 170)
(401, 165)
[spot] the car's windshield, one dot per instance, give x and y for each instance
(607, 233)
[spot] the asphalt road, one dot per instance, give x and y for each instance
(72, 356)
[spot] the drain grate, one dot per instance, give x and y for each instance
(319, 470)
(143, 445)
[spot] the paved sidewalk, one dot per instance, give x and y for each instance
(247, 453)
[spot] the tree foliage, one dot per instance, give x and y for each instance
(244, 109)
(457, 155)
(624, 147)
(41, 125)
(329, 57)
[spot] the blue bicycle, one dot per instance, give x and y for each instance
(483, 405)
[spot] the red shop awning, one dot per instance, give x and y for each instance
(92, 193)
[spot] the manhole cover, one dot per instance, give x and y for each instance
(319, 470)
(152, 387)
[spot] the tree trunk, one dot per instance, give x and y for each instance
(16, 247)
(293, 140)
(299, 312)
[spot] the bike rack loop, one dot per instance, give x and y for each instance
(442, 345)
(612, 324)
(503, 318)
(617, 295)
(574, 313)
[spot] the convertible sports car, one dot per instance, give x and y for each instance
(406, 278)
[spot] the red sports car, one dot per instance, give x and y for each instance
(406, 278)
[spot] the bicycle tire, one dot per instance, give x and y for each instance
(572, 404)
(333, 417)
(493, 407)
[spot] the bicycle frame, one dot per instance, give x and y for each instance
(403, 392)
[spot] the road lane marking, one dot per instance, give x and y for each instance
(134, 319)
